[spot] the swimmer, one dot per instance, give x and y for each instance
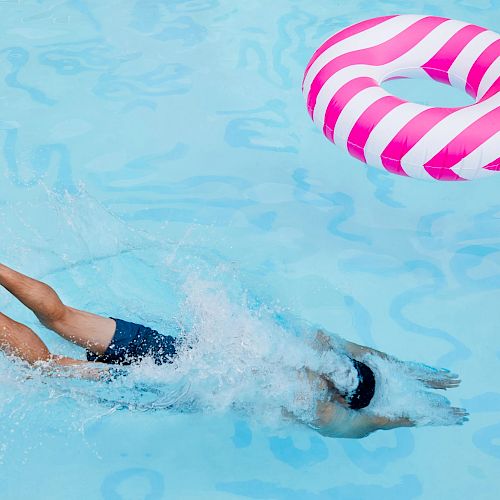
(113, 341)
(340, 415)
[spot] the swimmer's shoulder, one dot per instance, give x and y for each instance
(335, 420)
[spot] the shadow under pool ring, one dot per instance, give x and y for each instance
(342, 89)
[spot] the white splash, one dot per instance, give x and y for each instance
(236, 357)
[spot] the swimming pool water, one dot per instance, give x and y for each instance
(142, 140)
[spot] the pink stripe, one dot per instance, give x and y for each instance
(444, 174)
(343, 34)
(368, 120)
(494, 89)
(467, 141)
(409, 135)
(341, 98)
(376, 55)
(480, 66)
(494, 165)
(438, 65)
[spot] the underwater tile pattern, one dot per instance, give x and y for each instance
(184, 120)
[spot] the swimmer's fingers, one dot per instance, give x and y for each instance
(444, 373)
(440, 383)
(423, 369)
(461, 415)
(436, 378)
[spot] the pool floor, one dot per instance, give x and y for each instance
(142, 140)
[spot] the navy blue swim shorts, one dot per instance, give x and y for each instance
(133, 342)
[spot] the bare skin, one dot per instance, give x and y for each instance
(94, 332)
(85, 329)
(336, 419)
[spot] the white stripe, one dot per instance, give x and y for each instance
(413, 73)
(489, 78)
(368, 38)
(425, 49)
(416, 171)
(461, 66)
(447, 129)
(470, 166)
(418, 54)
(387, 128)
(334, 84)
(352, 111)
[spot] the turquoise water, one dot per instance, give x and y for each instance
(152, 147)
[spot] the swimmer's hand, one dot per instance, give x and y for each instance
(434, 378)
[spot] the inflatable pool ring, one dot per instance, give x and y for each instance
(344, 98)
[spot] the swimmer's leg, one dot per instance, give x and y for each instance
(18, 340)
(86, 329)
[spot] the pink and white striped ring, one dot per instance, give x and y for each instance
(344, 98)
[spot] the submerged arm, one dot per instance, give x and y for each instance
(325, 342)
(334, 420)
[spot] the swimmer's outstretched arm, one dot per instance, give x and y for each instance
(335, 420)
(324, 342)
(434, 378)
